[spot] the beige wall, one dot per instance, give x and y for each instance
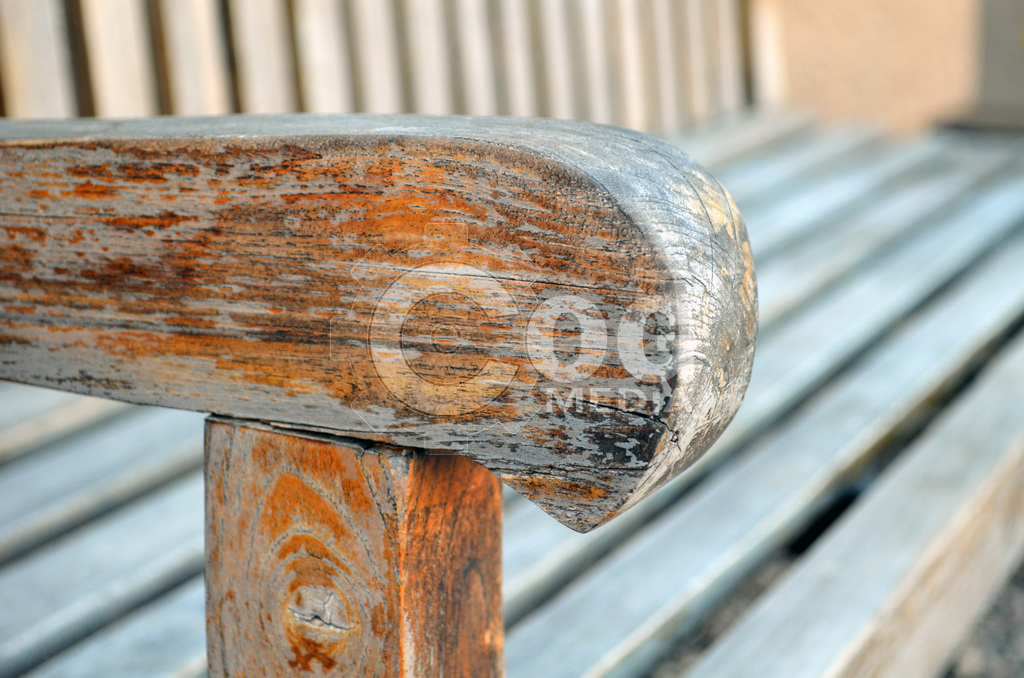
(904, 64)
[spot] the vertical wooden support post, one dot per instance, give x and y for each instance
(327, 559)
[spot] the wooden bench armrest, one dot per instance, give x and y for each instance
(573, 306)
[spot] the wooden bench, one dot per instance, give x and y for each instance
(886, 369)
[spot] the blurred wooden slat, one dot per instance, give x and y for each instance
(517, 70)
(594, 69)
(800, 216)
(195, 57)
(69, 483)
(694, 57)
(905, 574)
(818, 152)
(766, 53)
(633, 75)
(430, 57)
(374, 31)
(32, 417)
(77, 584)
(732, 139)
(164, 639)
(121, 59)
(35, 65)
(476, 67)
(729, 41)
(819, 262)
(559, 81)
(325, 71)
(264, 65)
(667, 78)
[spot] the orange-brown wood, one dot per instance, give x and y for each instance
(325, 558)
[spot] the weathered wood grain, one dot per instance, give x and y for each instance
(390, 278)
(327, 558)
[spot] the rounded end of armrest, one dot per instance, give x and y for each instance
(678, 354)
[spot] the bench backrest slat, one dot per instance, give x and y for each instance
(652, 65)
(192, 54)
(118, 52)
(264, 61)
(35, 62)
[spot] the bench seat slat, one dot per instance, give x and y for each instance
(739, 136)
(816, 263)
(827, 333)
(803, 213)
(772, 173)
(696, 551)
(904, 575)
(93, 576)
(165, 639)
(67, 484)
(32, 417)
